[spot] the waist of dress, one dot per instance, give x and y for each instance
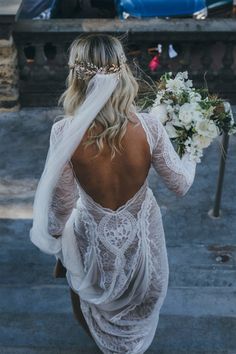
(134, 203)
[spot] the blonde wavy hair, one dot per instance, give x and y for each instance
(102, 50)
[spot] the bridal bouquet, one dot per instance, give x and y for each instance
(191, 117)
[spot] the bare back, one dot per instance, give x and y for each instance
(111, 183)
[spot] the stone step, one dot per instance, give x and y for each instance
(200, 301)
(43, 350)
(192, 319)
(209, 264)
(72, 350)
(198, 315)
(205, 334)
(16, 245)
(41, 274)
(55, 299)
(56, 330)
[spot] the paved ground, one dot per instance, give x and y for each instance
(199, 314)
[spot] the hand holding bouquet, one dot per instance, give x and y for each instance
(191, 117)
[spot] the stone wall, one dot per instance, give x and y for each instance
(207, 49)
(9, 78)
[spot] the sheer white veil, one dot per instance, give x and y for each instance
(100, 89)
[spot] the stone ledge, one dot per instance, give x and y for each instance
(9, 95)
(9, 10)
(9, 106)
(131, 25)
(6, 42)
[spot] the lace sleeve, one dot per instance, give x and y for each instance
(177, 173)
(65, 193)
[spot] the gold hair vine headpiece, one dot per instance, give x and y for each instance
(86, 70)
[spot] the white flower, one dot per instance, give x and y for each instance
(200, 141)
(232, 131)
(158, 97)
(168, 101)
(182, 75)
(173, 114)
(228, 110)
(187, 114)
(194, 97)
(188, 142)
(193, 149)
(170, 111)
(171, 131)
(189, 84)
(196, 155)
(161, 112)
(196, 112)
(176, 122)
(207, 128)
(175, 85)
(213, 130)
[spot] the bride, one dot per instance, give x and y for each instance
(93, 207)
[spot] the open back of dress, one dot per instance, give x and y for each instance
(116, 260)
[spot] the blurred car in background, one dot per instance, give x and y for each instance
(161, 8)
(172, 8)
(198, 9)
(33, 8)
(219, 7)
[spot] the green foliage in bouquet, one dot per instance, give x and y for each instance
(221, 116)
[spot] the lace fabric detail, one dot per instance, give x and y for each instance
(83, 237)
(117, 260)
(64, 200)
(117, 231)
(66, 192)
(178, 174)
(57, 130)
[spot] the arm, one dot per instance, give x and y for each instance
(64, 195)
(177, 173)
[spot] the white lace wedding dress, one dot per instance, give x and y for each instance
(116, 261)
